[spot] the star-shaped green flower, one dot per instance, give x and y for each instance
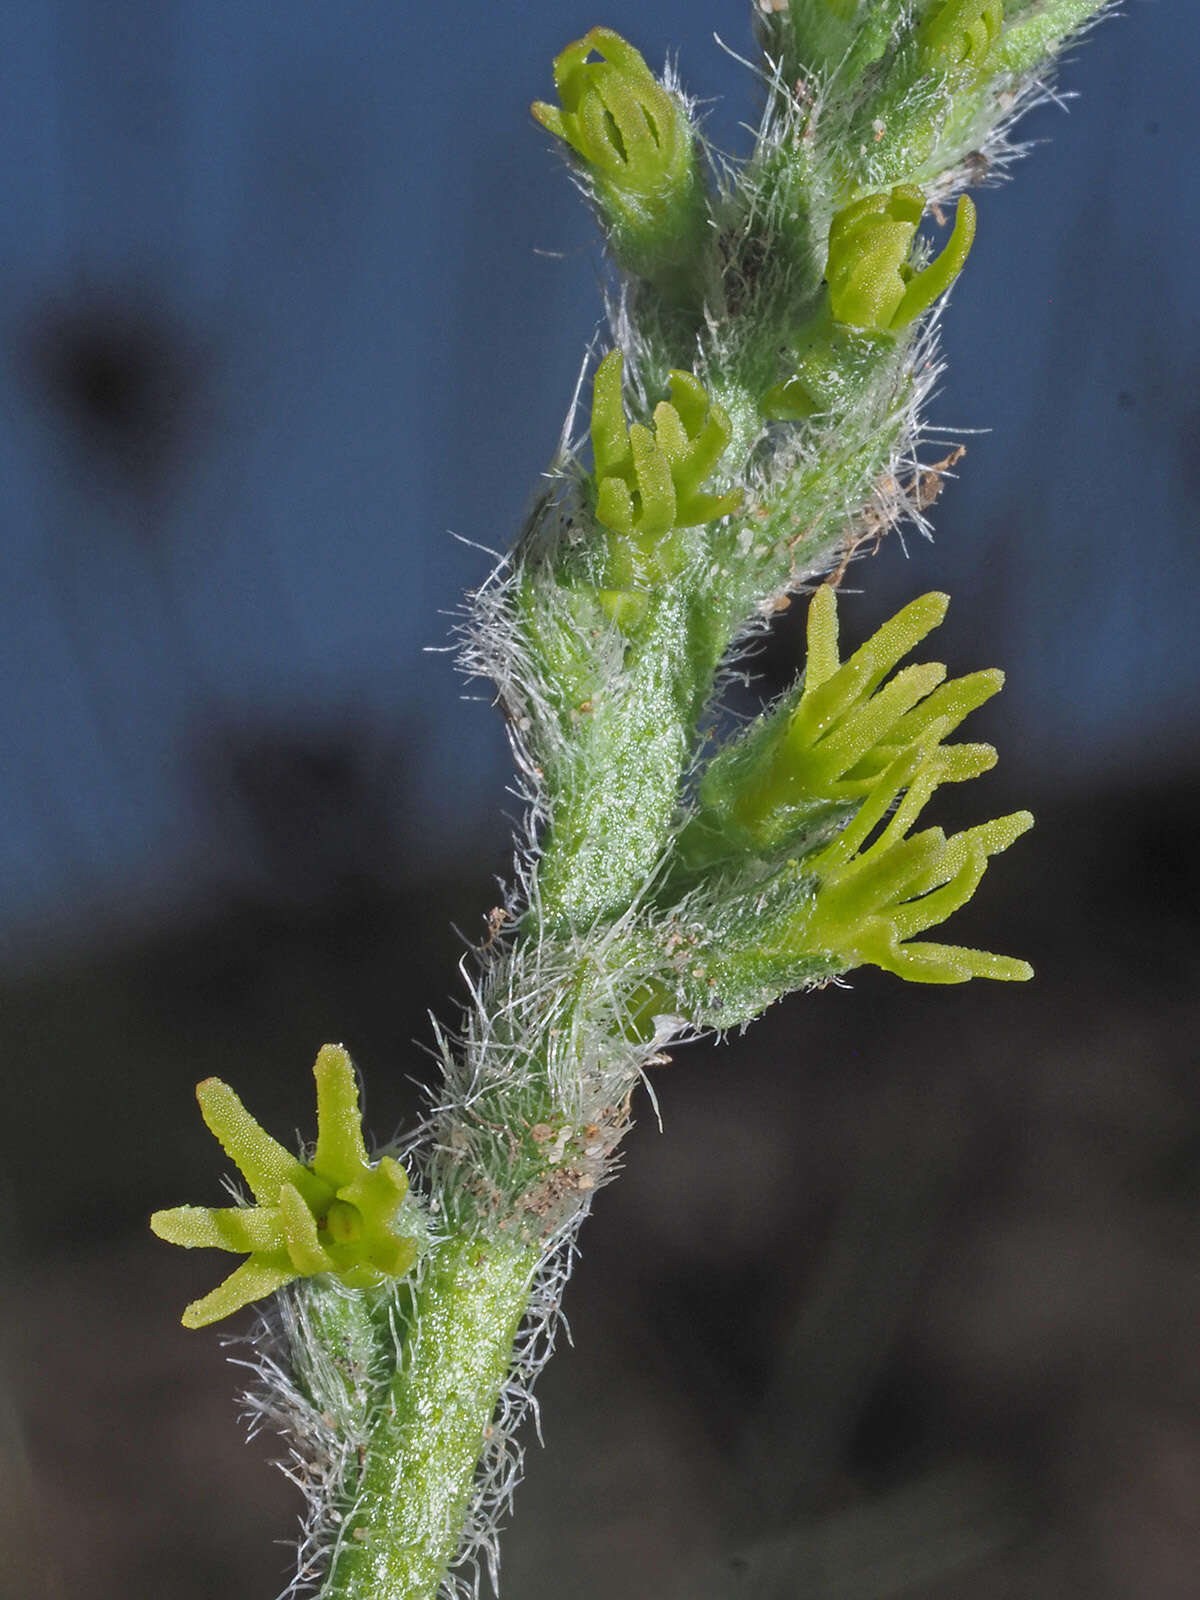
(336, 1215)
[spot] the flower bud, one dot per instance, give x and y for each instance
(616, 115)
(870, 902)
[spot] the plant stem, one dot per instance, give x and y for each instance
(406, 1522)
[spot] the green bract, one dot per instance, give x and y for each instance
(649, 480)
(842, 37)
(1035, 31)
(334, 1215)
(872, 284)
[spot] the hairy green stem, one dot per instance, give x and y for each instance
(402, 1532)
(613, 815)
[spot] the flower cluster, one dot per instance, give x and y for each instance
(807, 817)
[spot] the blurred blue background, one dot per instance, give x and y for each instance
(290, 293)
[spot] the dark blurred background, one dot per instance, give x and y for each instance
(905, 1299)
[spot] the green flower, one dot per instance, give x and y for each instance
(618, 117)
(649, 481)
(871, 901)
(805, 822)
(957, 36)
(638, 156)
(872, 284)
(334, 1215)
(830, 743)
(873, 294)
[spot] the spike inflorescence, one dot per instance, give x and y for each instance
(777, 310)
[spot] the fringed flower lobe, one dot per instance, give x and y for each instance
(872, 899)
(829, 744)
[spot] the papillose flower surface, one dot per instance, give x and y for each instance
(616, 115)
(959, 34)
